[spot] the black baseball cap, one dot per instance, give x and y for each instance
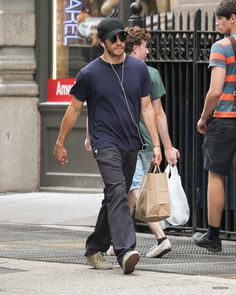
(109, 27)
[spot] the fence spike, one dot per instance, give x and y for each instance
(188, 21)
(173, 21)
(158, 21)
(206, 21)
(181, 21)
(166, 22)
(214, 22)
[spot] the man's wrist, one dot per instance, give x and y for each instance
(169, 147)
(59, 144)
(204, 118)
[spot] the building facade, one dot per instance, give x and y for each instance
(19, 115)
(43, 44)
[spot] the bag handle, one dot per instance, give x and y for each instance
(171, 170)
(174, 170)
(154, 169)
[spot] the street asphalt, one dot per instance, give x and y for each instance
(78, 212)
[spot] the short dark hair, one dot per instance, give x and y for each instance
(135, 37)
(226, 8)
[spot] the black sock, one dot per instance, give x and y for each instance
(213, 232)
(159, 241)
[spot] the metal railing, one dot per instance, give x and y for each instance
(181, 56)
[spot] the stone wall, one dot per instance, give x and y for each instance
(193, 5)
(19, 116)
(190, 7)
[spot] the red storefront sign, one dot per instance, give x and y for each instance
(58, 90)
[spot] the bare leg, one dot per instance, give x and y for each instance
(163, 245)
(132, 199)
(215, 203)
(155, 227)
(216, 198)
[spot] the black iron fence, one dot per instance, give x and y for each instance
(181, 56)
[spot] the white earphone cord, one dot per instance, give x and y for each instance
(126, 100)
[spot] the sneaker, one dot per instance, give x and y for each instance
(202, 240)
(130, 259)
(157, 251)
(98, 261)
(110, 251)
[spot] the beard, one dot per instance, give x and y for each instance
(115, 53)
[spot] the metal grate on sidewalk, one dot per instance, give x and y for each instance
(56, 244)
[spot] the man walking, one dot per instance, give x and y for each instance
(116, 89)
(218, 123)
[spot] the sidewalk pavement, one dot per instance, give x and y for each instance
(50, 208)
(79, 211)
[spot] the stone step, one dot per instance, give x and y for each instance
(70, 189)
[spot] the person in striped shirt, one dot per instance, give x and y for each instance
(218, 123)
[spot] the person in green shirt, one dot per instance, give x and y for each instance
(136, 46)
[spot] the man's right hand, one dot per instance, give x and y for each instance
(60, 154)
(87, 144)
(201, 126)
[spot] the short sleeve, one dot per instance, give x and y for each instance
(81, 88)
(157, 89)
(146, 82)
(217, 56)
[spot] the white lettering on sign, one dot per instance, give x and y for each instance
(63, 89)
(72, 9)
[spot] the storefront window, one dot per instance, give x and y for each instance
(74, 43)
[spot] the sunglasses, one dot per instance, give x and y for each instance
(122, 37)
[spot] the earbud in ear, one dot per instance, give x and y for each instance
(102, 44)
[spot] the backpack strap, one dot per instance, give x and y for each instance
(233, 43)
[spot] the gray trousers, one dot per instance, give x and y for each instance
(114, 223)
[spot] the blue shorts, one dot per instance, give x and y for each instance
(220, 145)
(142, 166)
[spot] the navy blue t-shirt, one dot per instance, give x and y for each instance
(110, 123)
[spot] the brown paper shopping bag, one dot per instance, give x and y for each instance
(153, 202)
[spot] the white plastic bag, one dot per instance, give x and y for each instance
(178, 201)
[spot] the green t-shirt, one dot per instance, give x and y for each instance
(157, 91)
